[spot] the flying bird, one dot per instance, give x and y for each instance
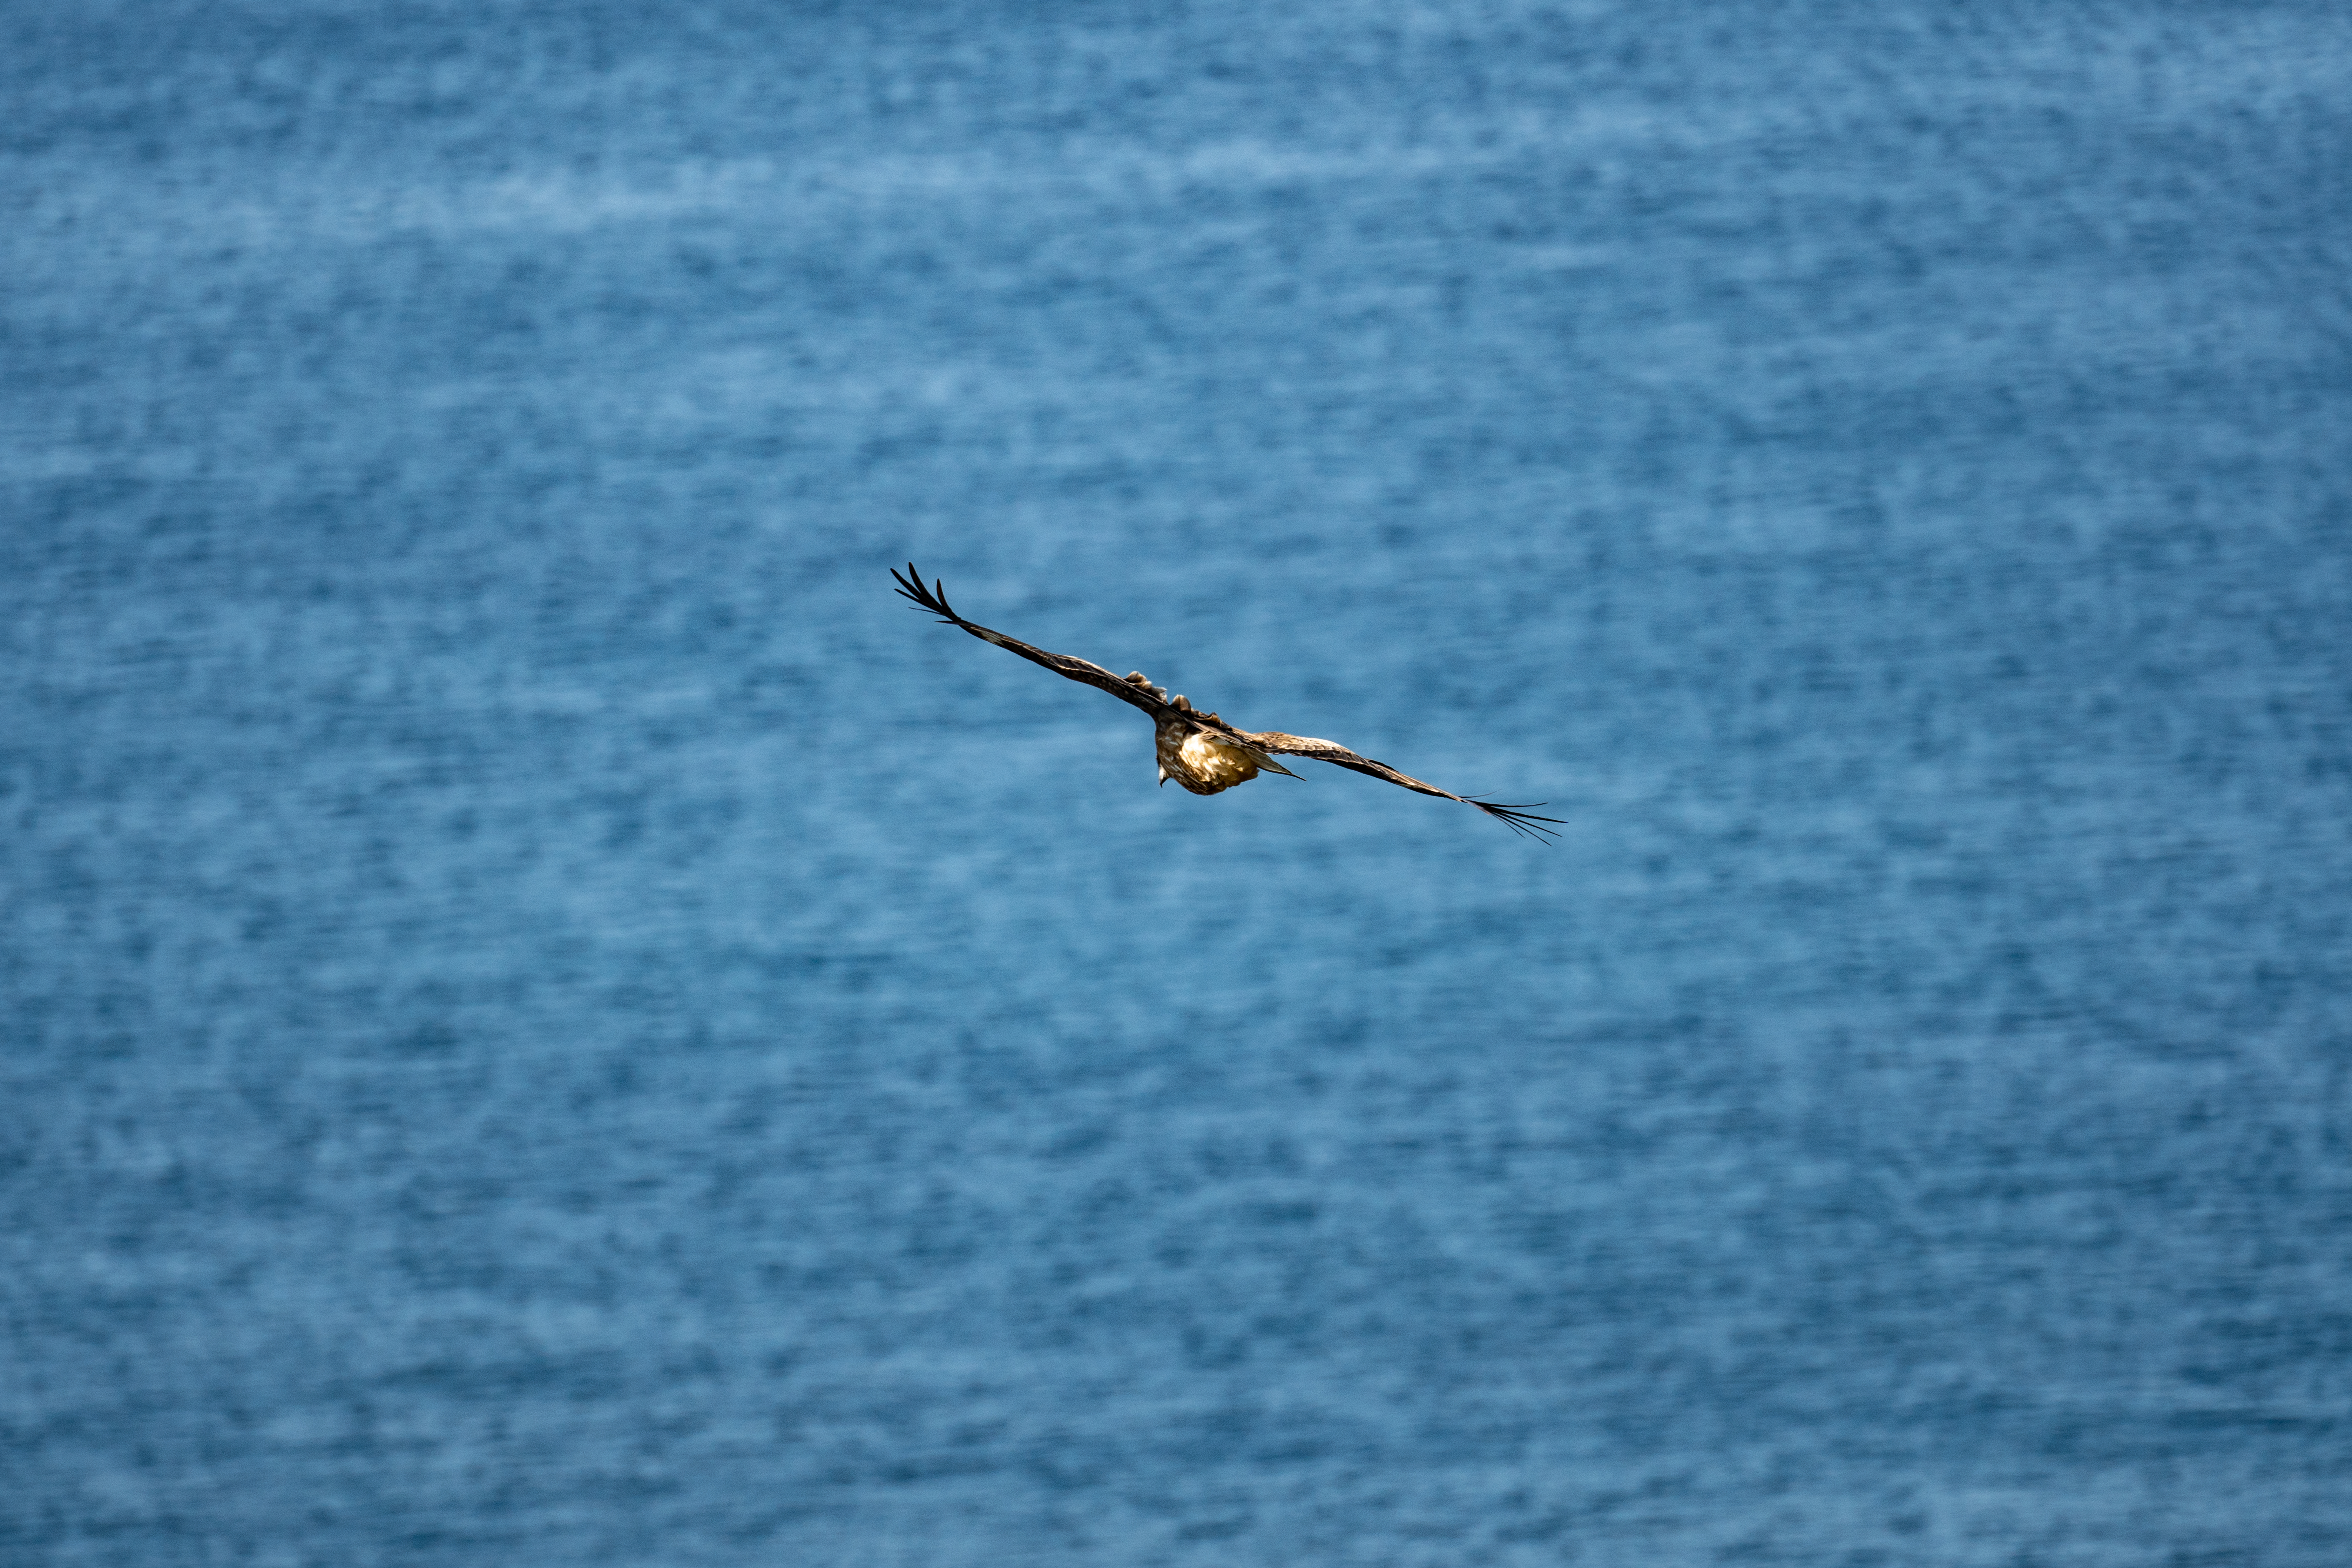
(1200, 750)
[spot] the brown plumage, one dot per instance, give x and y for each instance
(1200, 750)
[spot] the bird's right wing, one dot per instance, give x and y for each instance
(934, 599)
(1518, 819)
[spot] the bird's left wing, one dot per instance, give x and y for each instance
(934, 599)
(1518, 818)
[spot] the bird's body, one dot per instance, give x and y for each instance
(1200, 750)
(1200, 759)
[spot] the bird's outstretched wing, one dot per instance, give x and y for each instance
(1518, 818)
(934, 599)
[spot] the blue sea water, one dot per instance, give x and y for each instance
(550, 1019)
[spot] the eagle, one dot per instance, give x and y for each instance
(1200, 750)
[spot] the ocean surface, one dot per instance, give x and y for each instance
(550, 1019)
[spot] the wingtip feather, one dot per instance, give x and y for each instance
(934, 598)
(1521, 820)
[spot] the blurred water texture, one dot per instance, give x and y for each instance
(550, 1019)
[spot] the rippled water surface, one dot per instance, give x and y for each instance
(550, 1019)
